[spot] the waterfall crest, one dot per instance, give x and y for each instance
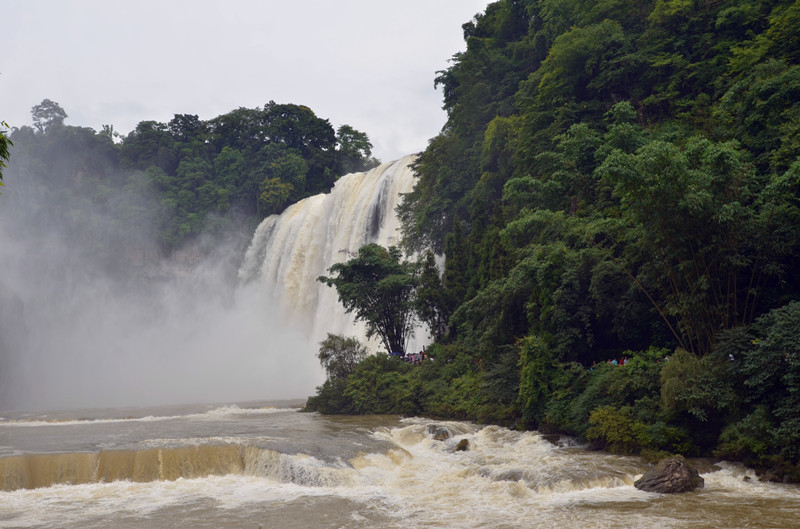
(289, 251)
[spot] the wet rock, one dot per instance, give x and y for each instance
(462, 446)
(771, 476)
(552, 438)
(439, 433)
(670, 475)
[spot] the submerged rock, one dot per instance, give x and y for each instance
(462, 446)
(670, 475)
(439, 433)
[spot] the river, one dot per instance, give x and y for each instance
(264, 465)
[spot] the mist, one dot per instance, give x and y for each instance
(93, 316)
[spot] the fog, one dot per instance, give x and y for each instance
(92, 316)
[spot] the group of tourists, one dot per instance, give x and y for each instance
(413, 358)
(613, 361)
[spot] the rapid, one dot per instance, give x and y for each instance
(270, 465)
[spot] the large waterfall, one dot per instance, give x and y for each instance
(289, 251)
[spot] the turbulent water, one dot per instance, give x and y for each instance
(268, 465)
(289, 251)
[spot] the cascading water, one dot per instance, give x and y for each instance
(289, 251)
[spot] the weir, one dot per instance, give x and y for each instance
(43, 470)
(289, 251)
(31, 471)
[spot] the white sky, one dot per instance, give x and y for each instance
(367, 63)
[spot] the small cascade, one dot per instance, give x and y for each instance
(32, 471)
(299, 469)
(290, 251)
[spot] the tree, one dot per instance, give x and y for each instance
(5, 143)
(772, 369)
(707, 243)
(432, 303)
(274, 195)
(355, 149)
(378, 288)
(186, 127)
(46, 114)
(339, 355)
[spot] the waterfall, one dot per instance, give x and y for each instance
(289, 251)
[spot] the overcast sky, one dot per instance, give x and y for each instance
(368, 63)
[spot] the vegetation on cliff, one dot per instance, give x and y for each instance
(616, 181)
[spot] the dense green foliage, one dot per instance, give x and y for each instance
(169, 182)
(378, 287)
(339, 355)
(617, 179)
(5, 143)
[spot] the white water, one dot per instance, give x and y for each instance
(298, 470)
(290, 251)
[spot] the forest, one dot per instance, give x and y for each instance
(163, 186)
(616, 193)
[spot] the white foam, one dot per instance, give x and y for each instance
(211, 415)
(506, 479)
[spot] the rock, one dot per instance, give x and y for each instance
(462, 446)
(670, 475)
(771, 476)
(552, 438)
(439, 433)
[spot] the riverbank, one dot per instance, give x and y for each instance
(615, 408)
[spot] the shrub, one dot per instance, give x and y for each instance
(380, 385)
(330, 398)
(747, 440)
(614, 428)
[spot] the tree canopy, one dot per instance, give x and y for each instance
(192, 176)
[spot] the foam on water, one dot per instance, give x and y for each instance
(211, 415)
(506, 479)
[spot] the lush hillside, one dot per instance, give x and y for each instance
(616, 180)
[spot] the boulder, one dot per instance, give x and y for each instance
(670, 475)
(462, 446)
